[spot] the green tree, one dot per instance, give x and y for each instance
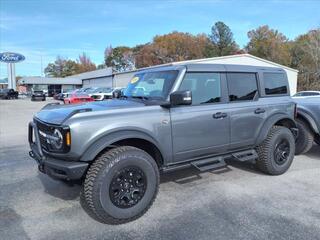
(306, 58)
(222, 41)
(120, 58)
(269, 44)
(61, 68)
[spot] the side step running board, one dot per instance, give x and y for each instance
(245, 155)
(209, 164)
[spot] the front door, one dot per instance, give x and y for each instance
(201, 129)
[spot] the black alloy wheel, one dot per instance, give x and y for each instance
(282, 151)
(128, 187)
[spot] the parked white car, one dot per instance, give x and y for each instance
(102, 93)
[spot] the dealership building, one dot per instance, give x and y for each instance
(106, 78)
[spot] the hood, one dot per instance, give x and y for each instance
(307, 100)
(57, 114)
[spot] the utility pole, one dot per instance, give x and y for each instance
(41, 66)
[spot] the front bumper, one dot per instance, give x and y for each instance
(55, 168)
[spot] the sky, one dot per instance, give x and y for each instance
(43, 29)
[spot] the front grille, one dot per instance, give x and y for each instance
(47, 129)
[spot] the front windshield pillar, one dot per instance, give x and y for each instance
(177, 83)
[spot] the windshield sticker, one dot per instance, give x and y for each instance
(134, 80)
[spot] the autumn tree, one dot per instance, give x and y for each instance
(269, 44)
(222, 41)
(172, 47)
(146, 55)
(85, 64)
(306, 58)
(120, 58)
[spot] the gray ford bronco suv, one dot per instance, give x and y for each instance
(308, 122)
(168, 118)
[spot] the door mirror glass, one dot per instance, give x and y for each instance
(181, 98)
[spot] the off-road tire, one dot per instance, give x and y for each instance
(266, 151)
(86, 208)
(305, 138)
(96, 199)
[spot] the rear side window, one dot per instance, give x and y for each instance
(275, 83)
(242, 86)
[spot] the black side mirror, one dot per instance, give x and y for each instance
(181, 98)
(117, 93)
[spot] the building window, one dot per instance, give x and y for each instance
(275, 83)
(242, 86)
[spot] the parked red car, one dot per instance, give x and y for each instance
(73, 98)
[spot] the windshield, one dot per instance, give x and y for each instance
(151, 84)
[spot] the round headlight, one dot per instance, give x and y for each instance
(58, 143)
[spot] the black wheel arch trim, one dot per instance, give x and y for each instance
(270, 122)
(107, 140)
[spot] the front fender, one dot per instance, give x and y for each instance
(270, 122)
(104, 141)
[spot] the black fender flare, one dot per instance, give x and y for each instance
(270, 122)
(107, 140)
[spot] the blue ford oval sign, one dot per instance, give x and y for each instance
(9, 57)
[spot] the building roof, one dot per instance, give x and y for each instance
(203, 60)
(93, 74)
(50, 80)
(71, 80)
(238, 56)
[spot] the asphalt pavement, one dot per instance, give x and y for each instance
(238, 202)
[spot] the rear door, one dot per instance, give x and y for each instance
(203, 128)
(248, 112)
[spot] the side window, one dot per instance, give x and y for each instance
(275, 83)
(242, 86)
(205, 87)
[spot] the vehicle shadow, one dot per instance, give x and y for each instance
(71, 190)
(60, 189)
(314, 152)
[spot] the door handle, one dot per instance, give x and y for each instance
(259, 110)
(219, 115)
